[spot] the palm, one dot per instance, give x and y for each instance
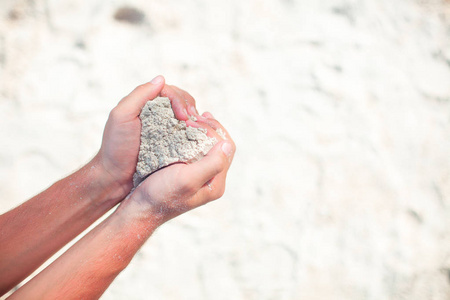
(155, 189)
(120, 149)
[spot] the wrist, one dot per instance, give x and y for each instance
(136, 210)
(110, 189)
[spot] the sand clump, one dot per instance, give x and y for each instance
(166, 140)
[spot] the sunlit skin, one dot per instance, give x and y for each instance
(32, 232)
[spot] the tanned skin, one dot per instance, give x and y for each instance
(34, 231)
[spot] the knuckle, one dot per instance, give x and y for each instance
(114, 114)
(219, 166)
(233, 144)
(188, 97)
(212, 123)
(218, 192)
(217, 123)
(186, 186)
(140, 87)
(164, 91)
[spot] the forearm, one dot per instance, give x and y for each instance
(89, 267)
(32, 232)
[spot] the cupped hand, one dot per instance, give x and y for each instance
(181, 187)
(118, 154)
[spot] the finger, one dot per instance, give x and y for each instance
(131, 105)
(190, 102)
(179, 105)
(213, 123)
(216, 161)
(216, 130)
(209, 130)
(208, 115)
(214, 188)
(188, 99)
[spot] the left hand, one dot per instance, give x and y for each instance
(118, 154)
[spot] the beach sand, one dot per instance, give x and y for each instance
(340, 187)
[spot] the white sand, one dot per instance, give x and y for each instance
(166, 140)
(340, 188)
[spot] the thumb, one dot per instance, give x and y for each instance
(217, 160)
(132, 104)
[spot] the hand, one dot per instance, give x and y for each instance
(181, 187)
(118, 154)
(183, 104)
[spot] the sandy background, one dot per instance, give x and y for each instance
(340, 188)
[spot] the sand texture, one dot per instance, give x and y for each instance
(166, 140)
(340, 110)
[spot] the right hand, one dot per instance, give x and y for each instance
(181, 187)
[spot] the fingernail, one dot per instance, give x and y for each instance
(227, 149)
(157, 80)
(185, 113)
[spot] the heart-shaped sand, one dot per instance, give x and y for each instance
(166, 140)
